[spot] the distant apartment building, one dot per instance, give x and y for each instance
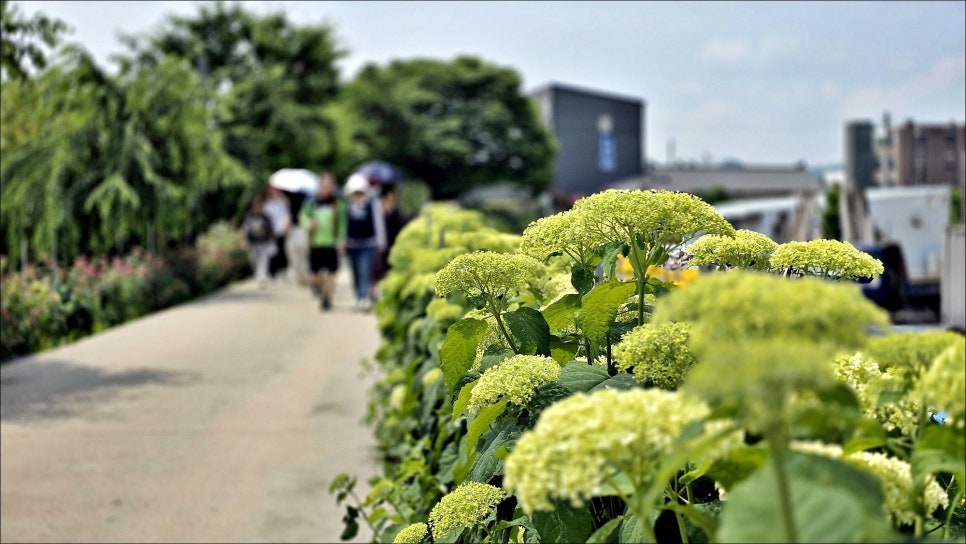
(600, 137)
(860, 157)
(920, 154)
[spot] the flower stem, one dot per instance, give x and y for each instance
(506, 333)
(776, 443)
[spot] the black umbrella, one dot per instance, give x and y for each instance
(380, 172)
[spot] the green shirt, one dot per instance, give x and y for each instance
(330, 228)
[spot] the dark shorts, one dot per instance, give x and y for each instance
(323, 257)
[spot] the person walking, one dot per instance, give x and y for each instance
(324, 218)
(365, 236)
(261, 242)
(277, 209)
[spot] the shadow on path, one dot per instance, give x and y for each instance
(54, 389)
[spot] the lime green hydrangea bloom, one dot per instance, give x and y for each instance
(942, 384)
(828, 259)
(894, 474)
(565, 232)
(465, 506)
(862, 373)
(515, 378)
(583, 441)
(747, 249)
(412, 534)
(489, 273)
(758, 336)
(444, 311)
(912, 351)
(659, 353)
(745, 306)
(656, 217)
(433, 376)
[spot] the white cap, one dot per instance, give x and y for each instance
(356, 183)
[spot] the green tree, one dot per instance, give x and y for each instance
(455, 125)
(269, 82)
(21, 41)
(117, 161)
(831, 216)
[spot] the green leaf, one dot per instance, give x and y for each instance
(494, 355)
(351, 525)
(608, 256)
(561, 351)
(577, 376)
(832, 501)
(941, 448)
(631, 530)
(868, 434)
(530, 329)
(481, 423)
(562, 313)
(622, 381)
(544, 396)
(463, 400)
(599, 307)
(583, 279)
(489, 463)
(604, 534)
(738, 464)
(458, 351)
(452, 536)
(564, 523)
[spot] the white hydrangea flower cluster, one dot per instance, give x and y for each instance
(895, 476)
(487, 272)
(583, 440)
(564, 232)
(829, 259)
(747, 249)
(862, 374)
(465, 506)
(515, 378)
(660, 218)
(657, 352)
(412, 534)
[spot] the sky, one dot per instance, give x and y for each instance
(762, 82)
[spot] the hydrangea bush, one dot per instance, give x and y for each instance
(565, 386)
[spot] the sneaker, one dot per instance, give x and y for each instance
(365, 305)
(326, 302)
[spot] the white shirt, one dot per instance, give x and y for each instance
(277, 210)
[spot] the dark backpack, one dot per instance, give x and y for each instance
(258, 228)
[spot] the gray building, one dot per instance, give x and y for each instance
(600, 137)
(860, 160)
(744, 182)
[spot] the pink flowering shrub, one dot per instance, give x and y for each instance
(40, 309)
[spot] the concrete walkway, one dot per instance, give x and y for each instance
(220, 420)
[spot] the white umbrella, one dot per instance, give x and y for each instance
(295, 180)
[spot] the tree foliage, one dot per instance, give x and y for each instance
(269, 82)
(115, 162)
(454, 124)
(21, 41)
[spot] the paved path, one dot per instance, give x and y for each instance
(220, 420)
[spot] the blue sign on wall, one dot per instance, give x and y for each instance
(607, 152)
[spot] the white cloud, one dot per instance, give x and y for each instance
(726, 50)
(767, 48)
(945, 74)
